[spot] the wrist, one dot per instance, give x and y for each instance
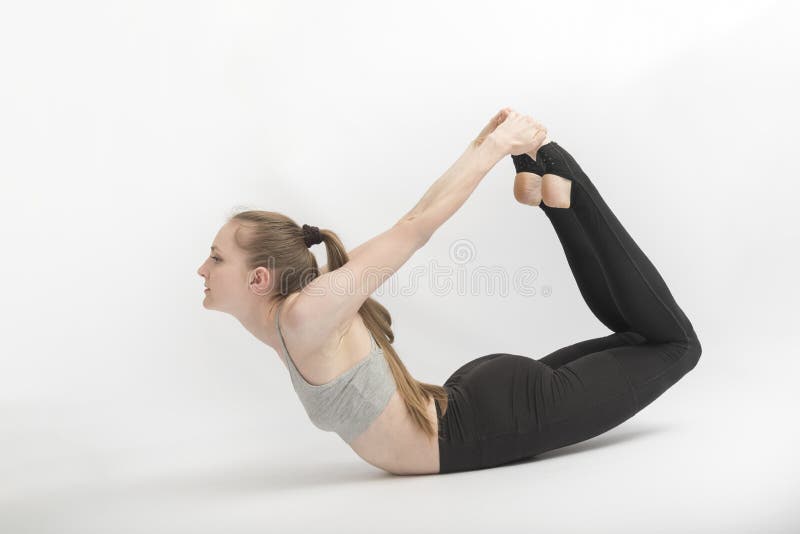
(492, 149)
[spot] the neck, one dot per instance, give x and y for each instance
(260, 321)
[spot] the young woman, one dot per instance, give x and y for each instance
(336, 341)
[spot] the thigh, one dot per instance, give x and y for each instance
(508, 407)
(570, 353)
(593, 394)
(512, 407)
(601, 390)
(511, 394)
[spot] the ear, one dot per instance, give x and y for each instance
(260, 281)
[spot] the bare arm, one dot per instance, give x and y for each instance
(506, 133)
(450, 191)
(350, 254)
(454, 187)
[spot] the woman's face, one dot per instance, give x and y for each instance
(224, 273)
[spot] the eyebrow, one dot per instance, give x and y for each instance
(214, 247)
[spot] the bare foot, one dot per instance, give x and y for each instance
(528, 185)
(556, 191)
(528, 188)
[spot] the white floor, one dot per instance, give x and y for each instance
(716, 453)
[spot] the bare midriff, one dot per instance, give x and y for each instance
(396, 444)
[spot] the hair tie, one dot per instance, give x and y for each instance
(311, 235)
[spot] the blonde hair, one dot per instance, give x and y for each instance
(275, 241)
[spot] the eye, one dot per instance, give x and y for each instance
(216, 259)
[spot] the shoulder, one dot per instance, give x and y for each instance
(329, 302)
(304, 333)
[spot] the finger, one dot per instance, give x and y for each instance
(505, 113)
(489, 128)
(492, 124)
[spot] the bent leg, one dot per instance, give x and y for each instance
(593, 394)
(633, 286)
(509, 407)
(583, 390)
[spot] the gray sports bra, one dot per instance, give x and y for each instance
(349, 403)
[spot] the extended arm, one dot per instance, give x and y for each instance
(350, 254)
(450, 191)
(454, 187)
(328, 303)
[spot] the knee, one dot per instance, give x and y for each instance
(693, 352)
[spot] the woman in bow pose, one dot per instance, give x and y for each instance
(336, 341)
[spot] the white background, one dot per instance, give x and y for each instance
(130, 130)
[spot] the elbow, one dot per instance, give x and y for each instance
(417, 228)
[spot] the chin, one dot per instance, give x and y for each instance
(209, 304)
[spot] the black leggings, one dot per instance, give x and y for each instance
(506, 407)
